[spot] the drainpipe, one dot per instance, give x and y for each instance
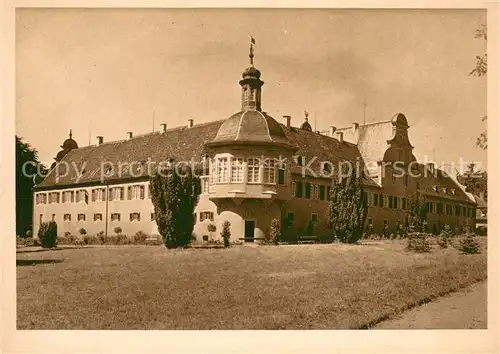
(107, 201)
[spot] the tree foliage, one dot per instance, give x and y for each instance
(479, 70)
(416, 213)
(226, 233)
(28, 157)
(47, 234)
(347, 210)
(174, 193)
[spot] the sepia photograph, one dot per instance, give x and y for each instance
(251, 169)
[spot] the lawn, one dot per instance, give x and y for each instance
(267, 287)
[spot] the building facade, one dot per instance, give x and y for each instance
(254, 169)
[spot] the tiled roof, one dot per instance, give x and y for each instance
(183, 144)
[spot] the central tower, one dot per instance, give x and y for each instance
(251, 85)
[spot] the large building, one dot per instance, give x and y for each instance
(256, 169)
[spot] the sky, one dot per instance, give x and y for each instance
(110, 71)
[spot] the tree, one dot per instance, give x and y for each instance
(347, 210)
(475, 181)
(416, 212)
(47, 234)
(481, 69)
(26, 157)
(174, 194)
(211, 228)
(226, 233)
(275, 232)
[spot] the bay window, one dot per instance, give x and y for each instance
(222, 170)
(270, 171)
(253, 170)
(237, 170)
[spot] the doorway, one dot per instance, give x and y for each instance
(249, 230)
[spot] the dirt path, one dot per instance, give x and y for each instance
(465, 309)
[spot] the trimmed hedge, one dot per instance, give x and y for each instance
(47, 234)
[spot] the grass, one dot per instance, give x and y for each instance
(330, 286)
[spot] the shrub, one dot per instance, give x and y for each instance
(140, 237)
(480, 231)
(82, 231)
(90, 240)
(29, 234)
(469, 245)
(119, 239)
(118, 230)
(417, 242)
(275, 231)
(226, 233)
(47, 234)
(444, 238)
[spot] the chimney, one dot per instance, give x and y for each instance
(355, 126)
(163, 127)
(100, 140)
(430, 167)
(129, 135)
(341, 136)
(190, 123)
(288, 120)
(332, 130)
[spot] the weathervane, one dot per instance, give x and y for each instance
(252, 42)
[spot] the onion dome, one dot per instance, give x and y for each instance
(69, 144)
(306, 125)
(251, 72)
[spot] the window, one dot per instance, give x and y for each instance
(327, 167)
(403, 203)
(314, 218)
(98, 217)
(439, 208)
(463, 211)
(316, 192)
(149, 190)
(236, 170)
(68, 197)
(41, 198)
(222, 170)
(67, 217)
(370, 199)
(300, 161)
(431, 207)
(457, 210)
(290, 217)
(298, 190)
(395, 202)
(53, 217)
(136, 192)
(386, 223)
(253, 170)
(204, 184)
(270, 171)
(82, 196)
(81, 217)
(390, 201)
(406, 180)
(115, 217)
(308, 190)
(213, 171)
(370, 222)
(321, 192)
(328, 192)
(294, 189)
(117, 193)
(53, 197)
(135, 216)
(98, 194)
(375, 199)
(206, 215)
(153, 217)
(365, 198)
(281, 174)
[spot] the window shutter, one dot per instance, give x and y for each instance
(129, 192)
(110, 196)
(142, 192)
(122, 193)
(93, 195)
(103, 197)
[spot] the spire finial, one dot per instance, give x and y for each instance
(70, 134)
(252, 42)
(306, 114)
